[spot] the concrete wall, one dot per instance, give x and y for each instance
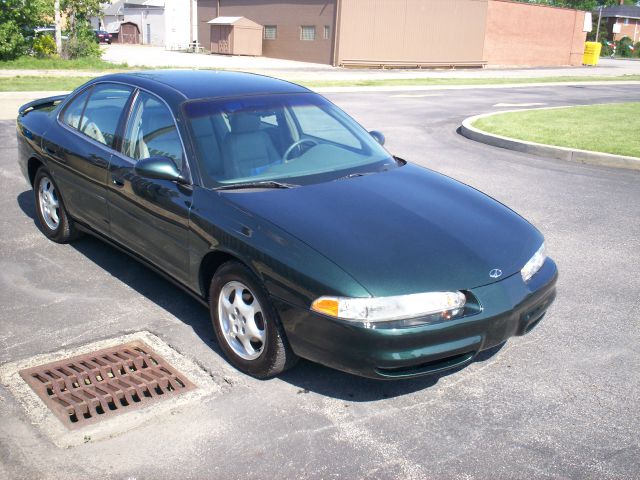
(411, 32)
(287, 15)
(536, 35)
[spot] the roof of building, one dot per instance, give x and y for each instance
(224, 20)
(621, 11)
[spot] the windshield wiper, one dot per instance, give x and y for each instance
(265, 184)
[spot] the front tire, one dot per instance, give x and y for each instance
(246, 324)
(53, 218)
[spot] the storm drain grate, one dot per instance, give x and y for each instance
(87, 388)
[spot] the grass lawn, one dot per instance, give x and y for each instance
(35, 84)
(459, 81)
(611, 128)
(33, 63)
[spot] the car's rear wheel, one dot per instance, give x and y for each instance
(52, 215)
(246, 324)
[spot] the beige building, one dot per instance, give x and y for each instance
(408, 33)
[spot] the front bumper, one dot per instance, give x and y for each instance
(510, 307)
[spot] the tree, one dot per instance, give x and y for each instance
(18, 18)
(81, 41)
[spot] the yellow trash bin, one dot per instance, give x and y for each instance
(591, 53)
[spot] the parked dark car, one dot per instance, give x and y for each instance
(301, 233)
(102, 36)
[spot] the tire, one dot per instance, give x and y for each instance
(53, 218)
(247, 325)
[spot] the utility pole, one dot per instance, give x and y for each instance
(598, 28)
(56, 15)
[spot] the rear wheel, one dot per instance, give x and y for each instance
(52, 215)
(246, 324)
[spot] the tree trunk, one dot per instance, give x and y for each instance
(56, 14)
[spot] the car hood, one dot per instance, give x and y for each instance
(403, 231)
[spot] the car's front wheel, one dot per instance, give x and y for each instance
(52, 216)
(246, 324)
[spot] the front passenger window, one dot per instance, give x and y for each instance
(151, 131)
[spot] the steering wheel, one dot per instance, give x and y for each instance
(302, 141)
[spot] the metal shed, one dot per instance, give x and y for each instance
(235, 36)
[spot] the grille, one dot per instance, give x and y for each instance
(90, 387)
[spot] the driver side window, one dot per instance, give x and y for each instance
(151, 131)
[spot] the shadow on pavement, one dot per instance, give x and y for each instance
(307, 376)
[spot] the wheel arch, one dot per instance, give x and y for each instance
(211, 262)
(33, 165)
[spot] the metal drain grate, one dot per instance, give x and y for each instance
(90, 387)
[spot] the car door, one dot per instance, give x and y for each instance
(150, 216)
(80, 148)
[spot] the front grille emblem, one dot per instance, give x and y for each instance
(495, 273)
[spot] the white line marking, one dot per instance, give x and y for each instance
(519, 104)
(409, 95)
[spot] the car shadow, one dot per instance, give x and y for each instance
(306, 376)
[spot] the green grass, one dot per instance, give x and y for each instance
(612, 128)
(459, 81)
(87, 63)
(35, 84)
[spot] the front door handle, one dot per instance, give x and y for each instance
(117, 181)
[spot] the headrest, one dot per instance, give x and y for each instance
(244, 122)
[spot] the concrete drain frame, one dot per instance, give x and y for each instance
(88, 388)
(68, 393)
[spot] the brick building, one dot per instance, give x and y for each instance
(408, 33)
(627, 17)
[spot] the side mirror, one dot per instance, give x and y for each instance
(161, 168)
(377, 136)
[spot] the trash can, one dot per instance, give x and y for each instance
(591, 53)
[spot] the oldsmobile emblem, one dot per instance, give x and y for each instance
(495, 273)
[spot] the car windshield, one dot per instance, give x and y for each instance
(295, 138)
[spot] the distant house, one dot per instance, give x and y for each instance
(627, 19)
(166, 23)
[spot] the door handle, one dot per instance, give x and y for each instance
(50, 151)
(117, 181)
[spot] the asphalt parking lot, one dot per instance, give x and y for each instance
(561, 402)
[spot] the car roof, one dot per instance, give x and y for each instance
(193, 84)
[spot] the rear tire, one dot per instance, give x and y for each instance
(246, 323)
(53, 218)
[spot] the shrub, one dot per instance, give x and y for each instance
(44, 46)
(607, 49)
(12, 43)
(636, 50)
(623, 49)
(82, 44)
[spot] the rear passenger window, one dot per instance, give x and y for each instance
(73, 113)
(102, 112)
(151, 131)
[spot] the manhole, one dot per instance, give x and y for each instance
(87, 388)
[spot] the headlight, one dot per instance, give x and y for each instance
(534, 264)
(384, 309)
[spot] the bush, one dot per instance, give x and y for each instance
(44, 46)
(636, 50)
(623, 49)
(607, 50)
(12, 43)
(82, 44)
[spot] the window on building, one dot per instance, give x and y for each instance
(270, 32)
(326, 32)
(626, 21)
(307, 32)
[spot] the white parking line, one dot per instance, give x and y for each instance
(519, 104)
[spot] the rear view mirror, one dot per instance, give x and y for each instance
(377, 136)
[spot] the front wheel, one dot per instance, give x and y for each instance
(246, 324)
(52, 216)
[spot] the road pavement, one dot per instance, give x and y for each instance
(561, 402)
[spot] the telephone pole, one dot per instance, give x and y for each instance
(56, 15)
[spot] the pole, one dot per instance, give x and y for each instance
(56, 16)
(598, 29)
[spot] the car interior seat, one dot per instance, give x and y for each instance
(247, 149)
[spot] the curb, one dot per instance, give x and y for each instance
(561, 153)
